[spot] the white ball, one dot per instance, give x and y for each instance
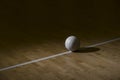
(72, 43)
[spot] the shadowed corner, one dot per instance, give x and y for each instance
(87, 50)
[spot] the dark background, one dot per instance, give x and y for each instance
(22, 21)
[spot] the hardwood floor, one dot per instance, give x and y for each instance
(103, 64)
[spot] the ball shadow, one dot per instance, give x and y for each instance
(87, 50)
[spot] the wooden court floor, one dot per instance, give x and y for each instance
(100, 63)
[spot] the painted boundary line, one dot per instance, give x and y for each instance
(105, 42)
(56, 55)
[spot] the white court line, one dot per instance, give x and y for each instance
(56, 55)
(105, 42)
